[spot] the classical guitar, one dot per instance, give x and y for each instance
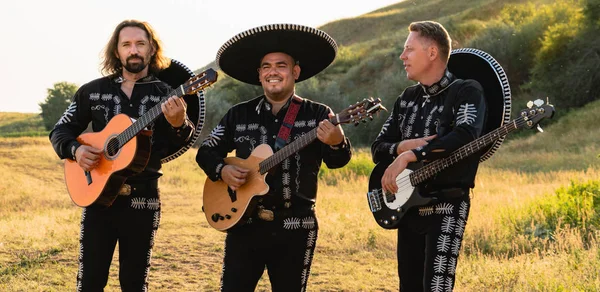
(389, 208)
(224, 207)
(126, 150)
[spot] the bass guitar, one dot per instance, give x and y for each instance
(126, 150)
(224, 208)
(389, 208)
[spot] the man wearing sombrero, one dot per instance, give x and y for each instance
(431, 120)
(138, 80)
(280, 233)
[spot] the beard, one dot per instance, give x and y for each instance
(135, 67)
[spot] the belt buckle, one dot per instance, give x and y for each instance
(125, 190)
(264, 214)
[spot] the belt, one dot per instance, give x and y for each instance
(449, 193)
(265, 214)
(134, 187)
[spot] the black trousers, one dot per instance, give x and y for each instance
(132, 221)
(284, 247)
(429, 241)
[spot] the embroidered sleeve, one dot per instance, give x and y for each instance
(385, 145)
(214, 148)
(469, 117)
(71, 124)
(338, 155)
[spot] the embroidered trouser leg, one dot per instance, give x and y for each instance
(132, 221)
(429, 241)
(287, 255)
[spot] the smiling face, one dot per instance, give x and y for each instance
(418, 56)
(278, 74)
(134, 49)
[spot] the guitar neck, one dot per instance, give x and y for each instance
(147, 118)
(287, 151)
(428, 171)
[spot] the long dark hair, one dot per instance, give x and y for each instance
(110, 62)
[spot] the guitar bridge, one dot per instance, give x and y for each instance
(374, 199)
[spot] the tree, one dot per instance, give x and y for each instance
(57, 101)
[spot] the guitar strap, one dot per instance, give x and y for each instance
(288, 122)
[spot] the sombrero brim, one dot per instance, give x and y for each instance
(240, 56)
(469, 63)
(175, 75)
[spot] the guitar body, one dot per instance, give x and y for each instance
(225, 208)
(102, 184)
(388, 209)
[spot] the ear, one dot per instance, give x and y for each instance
(296, 71)
(432, 52)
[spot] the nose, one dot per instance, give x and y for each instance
(402, 56)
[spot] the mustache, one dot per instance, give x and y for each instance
(134, 57)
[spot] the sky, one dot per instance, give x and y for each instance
(45, 42)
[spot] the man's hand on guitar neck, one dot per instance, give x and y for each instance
(234, 176)
(174, 110)
(87, 157)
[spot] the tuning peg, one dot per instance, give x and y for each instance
(538, 102)
(530, 104)
(540, 128)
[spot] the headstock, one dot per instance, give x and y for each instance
(535, 112)
(359, 111)
(200, 81)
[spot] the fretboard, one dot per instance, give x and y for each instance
(147, 118)
(426, 172)
(287, 151)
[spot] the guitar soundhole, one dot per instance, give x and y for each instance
(112, 147)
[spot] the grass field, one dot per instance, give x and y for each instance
(39, 230)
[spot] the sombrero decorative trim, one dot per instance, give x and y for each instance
(240, 56)
(469, 63)
(175, 75)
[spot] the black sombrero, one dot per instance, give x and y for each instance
(468, 63)
(240, 56)
(175, 75)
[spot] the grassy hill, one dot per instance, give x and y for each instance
(21, 124)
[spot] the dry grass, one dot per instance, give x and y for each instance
(39, 232)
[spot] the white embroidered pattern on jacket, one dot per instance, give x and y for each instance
(385, 126)
(466, 114)
(142, 108)
(286, 163)
(240, 127)
(94, 96)
(117, 101)
(66, 116)
(312, 123)
(138, 203)
(246, 138)
(253, 127)
(403, 104)
(299, 124)
(215, 135)
(106, 97)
